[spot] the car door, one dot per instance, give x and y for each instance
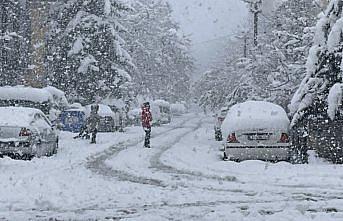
(47, 134)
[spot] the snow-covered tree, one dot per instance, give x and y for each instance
(14, 41)
(272, 71)
(323, 68)
(86, 54)
(161, 55)
(316, 106)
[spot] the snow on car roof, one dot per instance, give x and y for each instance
(162, 103)
(255, 115)
(114, 102)
(17, 116)
(104, 110)
(58, 95)
(25, 93)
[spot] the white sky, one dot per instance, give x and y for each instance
(207, 21)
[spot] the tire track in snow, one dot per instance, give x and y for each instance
(97, 163)
(156, 162)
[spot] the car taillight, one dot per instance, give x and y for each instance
(24, 132)
(284, 138)
(232, 138)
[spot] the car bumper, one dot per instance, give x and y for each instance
(273, 153)
(16, 148)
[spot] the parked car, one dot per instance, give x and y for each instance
(164, 113)
(256, 130)
(135, 117)
(26, 97)
(178, 109)
(26, 133)
(107, 117)
(120, 109)
(73, 118)
(219, 118)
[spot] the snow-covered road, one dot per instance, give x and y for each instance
(180, 178)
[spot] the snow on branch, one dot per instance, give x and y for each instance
(334, 100)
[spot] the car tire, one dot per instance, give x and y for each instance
(225, 157)
(54, 151)
(27, 157)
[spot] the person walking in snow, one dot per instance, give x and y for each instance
(146, 123)
(93, 122)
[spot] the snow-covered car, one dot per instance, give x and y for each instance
(73, 118)
(219, 118)
(178, 109)
(164, 113)
(107, 117)
(256, 130)
(26, 97)
(134, 116)
(26, 133)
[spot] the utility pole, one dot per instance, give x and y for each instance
(255, 7)
(244, 36)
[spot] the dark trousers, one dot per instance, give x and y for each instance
(94, 132)
(147, 137)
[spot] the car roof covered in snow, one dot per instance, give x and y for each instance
(37, 95)
(58, 95)
(17, 116)
(114, 102)
(252, 115)
(161, 103)
(104, 110)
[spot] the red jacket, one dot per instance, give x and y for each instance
(146, 117)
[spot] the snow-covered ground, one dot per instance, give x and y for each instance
(180, 178)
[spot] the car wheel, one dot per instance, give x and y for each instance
(26, 157)
(225, 157)
(54, 151)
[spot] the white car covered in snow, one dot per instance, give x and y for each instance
(26, 133)
(107, 118)
(161, 112)
(256, 130)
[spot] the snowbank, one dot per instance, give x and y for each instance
(255, 115)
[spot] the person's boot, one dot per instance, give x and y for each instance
(93, 140)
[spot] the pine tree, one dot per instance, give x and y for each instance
(161, 55)
(316, 104)
(86, 54)
(14, 41)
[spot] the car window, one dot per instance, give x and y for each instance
(41, 121)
